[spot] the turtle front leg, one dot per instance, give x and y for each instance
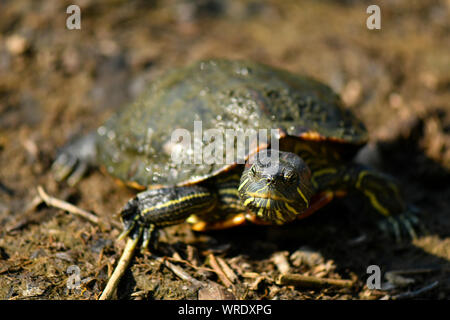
(75, 158)
(154, 209)
(382, 193)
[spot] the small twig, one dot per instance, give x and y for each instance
(120, 269)
(218, 270)
(180, 272)
(413, 294)
(189, 264)
(307, 281)
(63, 205)
(137, 293)
(251, 275)
(192, 255)
(33, 204)
(176, 255)
(227, 270)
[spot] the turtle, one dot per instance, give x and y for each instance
(302, 166)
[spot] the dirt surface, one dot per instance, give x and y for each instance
(56, 84)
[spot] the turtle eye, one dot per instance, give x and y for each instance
(289, 176)
(253, 171)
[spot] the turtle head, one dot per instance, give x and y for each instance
(276, 186)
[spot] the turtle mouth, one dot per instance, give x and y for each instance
(269, 196)
(274, 209)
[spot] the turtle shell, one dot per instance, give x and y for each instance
(139, 144)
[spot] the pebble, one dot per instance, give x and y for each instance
(16, 44)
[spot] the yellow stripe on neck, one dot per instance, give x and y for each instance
(174, 202)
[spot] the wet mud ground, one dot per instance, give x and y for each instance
(56, 84)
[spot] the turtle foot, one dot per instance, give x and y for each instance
(74, 159)
(403, 226)
(134, 227)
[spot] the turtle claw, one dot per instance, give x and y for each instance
(405, 225)
(150, 238)
(134, 227)
(74, 160)
(63, 166)
(127, 230)
(77, 174)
